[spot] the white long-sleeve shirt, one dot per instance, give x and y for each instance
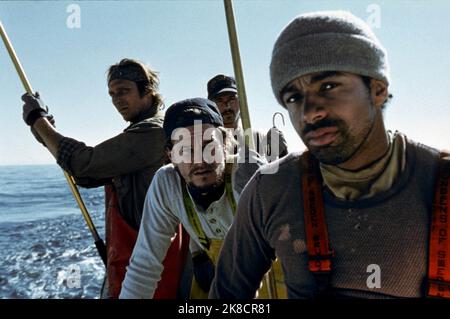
(163, 211)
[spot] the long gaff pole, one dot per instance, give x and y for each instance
(26, 84)
(245, 114)
(237, 66)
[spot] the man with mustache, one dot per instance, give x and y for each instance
(350, 217)
(223, 91)
(198, 189)
(125, 164)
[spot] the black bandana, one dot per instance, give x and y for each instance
(130, 72)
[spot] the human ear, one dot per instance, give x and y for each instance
(379, 92)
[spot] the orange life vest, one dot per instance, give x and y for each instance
(120, 240)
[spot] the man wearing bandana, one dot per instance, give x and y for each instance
(124, 164)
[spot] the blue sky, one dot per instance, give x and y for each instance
(187, 42)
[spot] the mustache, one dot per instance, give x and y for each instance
(322, 123)
(201, 168)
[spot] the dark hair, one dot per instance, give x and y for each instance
(366, 80)
(148, 86)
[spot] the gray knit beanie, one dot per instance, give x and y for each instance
(326, 41)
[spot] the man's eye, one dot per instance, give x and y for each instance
(328, 86)
(122, 91)
(292, 98)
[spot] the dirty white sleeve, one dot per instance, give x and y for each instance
(158, 227)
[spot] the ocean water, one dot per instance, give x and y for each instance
(46, 249)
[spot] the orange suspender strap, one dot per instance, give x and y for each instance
(319, 251)
(439, 250)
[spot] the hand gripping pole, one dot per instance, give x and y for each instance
(101, 247)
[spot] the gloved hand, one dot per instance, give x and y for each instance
(33, 108)
(51, 119)
(203, 270)
(282, 150)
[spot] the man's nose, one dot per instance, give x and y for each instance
(314, 110)
(115, 99)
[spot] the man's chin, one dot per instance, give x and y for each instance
(329, 155)
(228, 123)
(205, 182)
(203, 187)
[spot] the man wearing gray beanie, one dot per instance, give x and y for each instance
(363, 213)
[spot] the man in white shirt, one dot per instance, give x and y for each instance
(199, 189)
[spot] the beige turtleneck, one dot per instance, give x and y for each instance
(371, 180)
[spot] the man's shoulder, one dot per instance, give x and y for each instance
(166, 172)
(423, 153)
(279, 174)
(428, 155)
(165, 182)
(149, 124)
(287, 165)
(423, 147)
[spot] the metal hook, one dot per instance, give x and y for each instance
(273, 118)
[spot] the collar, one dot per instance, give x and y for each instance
(371, 180)
(145, 114)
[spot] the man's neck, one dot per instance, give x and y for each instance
(236, 125)
(145, 114)
(206, 198)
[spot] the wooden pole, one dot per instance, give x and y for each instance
(242, 96)
(101, 247)
(245, 114)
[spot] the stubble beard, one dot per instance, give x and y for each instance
(347, 148)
